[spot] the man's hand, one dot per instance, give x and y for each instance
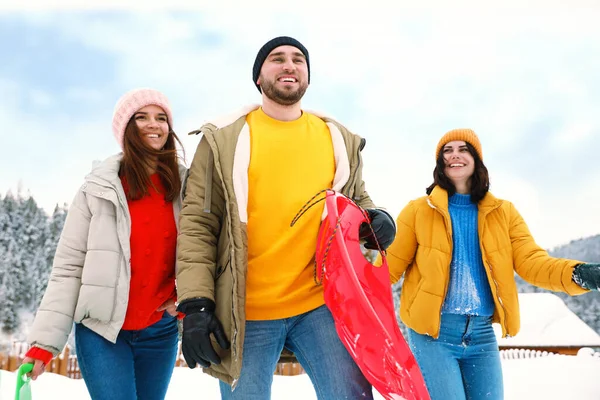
(200, 321)
(383, 226)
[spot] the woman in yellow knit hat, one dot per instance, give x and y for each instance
(458, 248)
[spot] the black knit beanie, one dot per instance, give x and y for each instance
(268, 48)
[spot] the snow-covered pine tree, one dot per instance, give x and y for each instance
(9, 282)
(5, 235)
(8, 205)
(32, 233)
(24, 231)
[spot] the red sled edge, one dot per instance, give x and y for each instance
(359, 296)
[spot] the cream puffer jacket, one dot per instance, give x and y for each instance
(89, 282)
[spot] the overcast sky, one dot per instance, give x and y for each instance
(525, 78)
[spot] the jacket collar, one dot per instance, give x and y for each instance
(106, 171)
(228, 119)
(489, 202)
(439, 198)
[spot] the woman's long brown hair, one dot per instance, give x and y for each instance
(138, 159)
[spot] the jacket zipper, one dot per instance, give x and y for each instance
(447, 281)
(361, 146)
(358, 156)
(231, 256)
(503, 316)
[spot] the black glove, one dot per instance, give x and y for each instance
(199, 322)
(384, 227)
(587, 276)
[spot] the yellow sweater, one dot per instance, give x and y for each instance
(289, 163)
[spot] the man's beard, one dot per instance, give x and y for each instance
(282, 97)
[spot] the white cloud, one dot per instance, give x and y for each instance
(40, 98)
(47, 156)
(524, 77)
(573, 134)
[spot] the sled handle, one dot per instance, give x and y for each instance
(22, 378)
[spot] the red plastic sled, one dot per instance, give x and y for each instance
(359, 296)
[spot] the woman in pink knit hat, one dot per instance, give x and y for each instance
(114, 267)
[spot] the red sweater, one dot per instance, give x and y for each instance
(152, 243)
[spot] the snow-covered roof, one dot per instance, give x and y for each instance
(546, 321)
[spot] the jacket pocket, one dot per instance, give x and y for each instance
(97, 295)
(223, 251)
(222, 267)
(413, 294)
(95, 302)
(423, 304)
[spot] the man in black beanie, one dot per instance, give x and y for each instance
(266, 50)
(244, 275)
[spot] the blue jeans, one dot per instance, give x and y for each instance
(314, 341)
(463, 363)
(138, 366)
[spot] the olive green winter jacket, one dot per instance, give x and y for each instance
(212, 244)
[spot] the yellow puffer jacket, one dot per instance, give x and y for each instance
(422, 251)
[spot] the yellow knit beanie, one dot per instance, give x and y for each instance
(466, 135)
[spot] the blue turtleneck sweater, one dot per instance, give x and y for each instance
(469, 291)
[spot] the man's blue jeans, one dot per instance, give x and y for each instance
(138, 366)
(314, 341)
(463, 363)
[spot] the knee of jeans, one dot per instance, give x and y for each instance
(351, 385)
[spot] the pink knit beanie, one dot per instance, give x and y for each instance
(131, 102)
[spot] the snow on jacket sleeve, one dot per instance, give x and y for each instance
(54, 318)
(199, 228)
(535, 265)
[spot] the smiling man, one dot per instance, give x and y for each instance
(244, 275)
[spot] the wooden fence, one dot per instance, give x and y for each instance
(521, 353)
(66, 363)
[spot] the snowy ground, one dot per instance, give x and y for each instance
(553, 377)
(545, 321)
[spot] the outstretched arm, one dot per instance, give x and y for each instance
(535, 265)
